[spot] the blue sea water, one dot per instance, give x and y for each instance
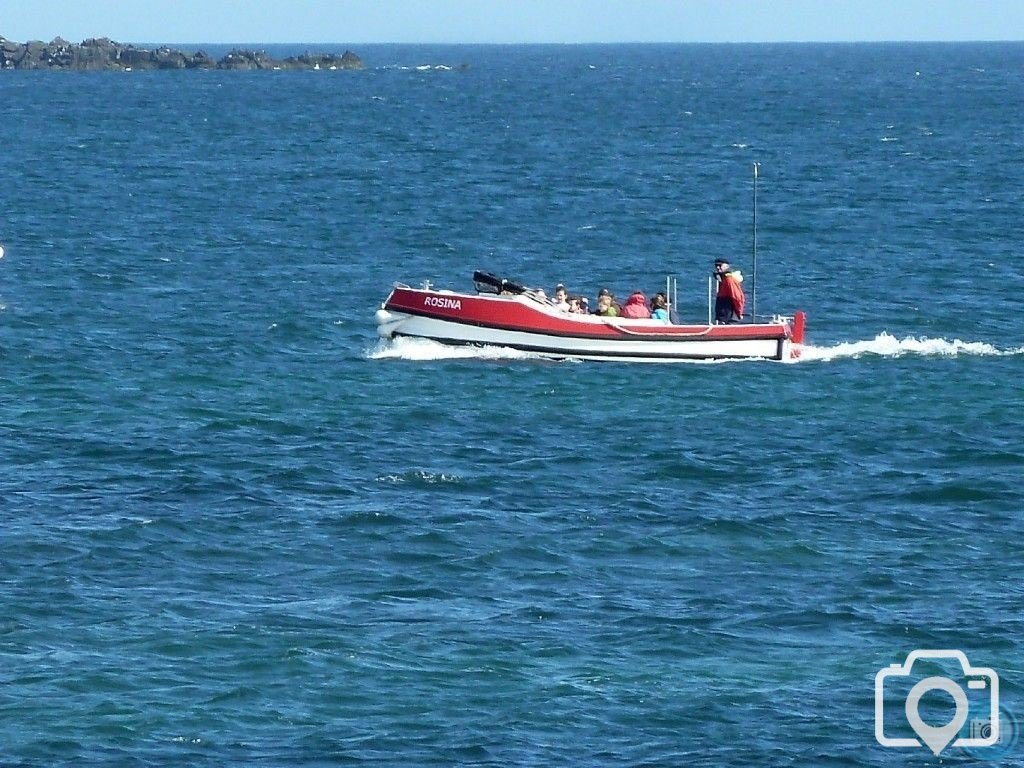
(237, 529)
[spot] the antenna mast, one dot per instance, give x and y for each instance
(753, 246)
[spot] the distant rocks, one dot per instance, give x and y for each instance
(239, 59)
(103, 54)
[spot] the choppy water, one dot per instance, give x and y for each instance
(238, 530)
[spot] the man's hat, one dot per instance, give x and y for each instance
(721, 261)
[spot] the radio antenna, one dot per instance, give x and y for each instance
(753, 247)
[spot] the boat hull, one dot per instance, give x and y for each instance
(526, 324)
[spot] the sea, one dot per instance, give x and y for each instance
(239, 529)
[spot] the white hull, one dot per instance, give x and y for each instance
(391, 323)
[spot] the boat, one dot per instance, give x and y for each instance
(505, 313)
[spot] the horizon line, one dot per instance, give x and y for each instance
(893, 41)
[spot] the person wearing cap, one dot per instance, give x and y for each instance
(730, 300)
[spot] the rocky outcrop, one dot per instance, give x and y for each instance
(98, 54)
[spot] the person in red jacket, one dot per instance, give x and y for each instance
(636, 306)
(730, 301)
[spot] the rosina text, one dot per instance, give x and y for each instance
(442, 302)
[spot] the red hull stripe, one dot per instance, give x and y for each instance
(511, 315)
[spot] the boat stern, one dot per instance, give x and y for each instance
(796, 328)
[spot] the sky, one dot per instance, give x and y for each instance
(511, 21)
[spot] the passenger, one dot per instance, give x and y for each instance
(730, 300)
(584, 305)
(605, 307)
(636, 306)
(576, 305)
(560, 301)
(659, 307)
(615, 305)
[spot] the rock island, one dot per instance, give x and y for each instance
(104, 54)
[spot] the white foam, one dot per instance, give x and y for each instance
(425, 349)
(418, 68)
(421, 475)
(884, 345)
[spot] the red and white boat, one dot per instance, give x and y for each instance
(505, 314)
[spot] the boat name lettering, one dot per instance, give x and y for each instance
(442, 302)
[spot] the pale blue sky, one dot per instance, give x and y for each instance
(511, 21)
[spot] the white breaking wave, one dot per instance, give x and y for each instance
(884, 345)
(420, 68)
(425, 349)
(420, 475)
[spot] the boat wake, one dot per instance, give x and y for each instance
(425, 349)
(884, 345)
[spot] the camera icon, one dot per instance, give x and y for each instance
(983, 681)
(981, 729)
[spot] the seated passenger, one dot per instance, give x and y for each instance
(605, 307)
(560, 301)
(615, 305)
(659, 307)
(636, 306)
(575, 305)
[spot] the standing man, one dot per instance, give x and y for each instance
(730, 300)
